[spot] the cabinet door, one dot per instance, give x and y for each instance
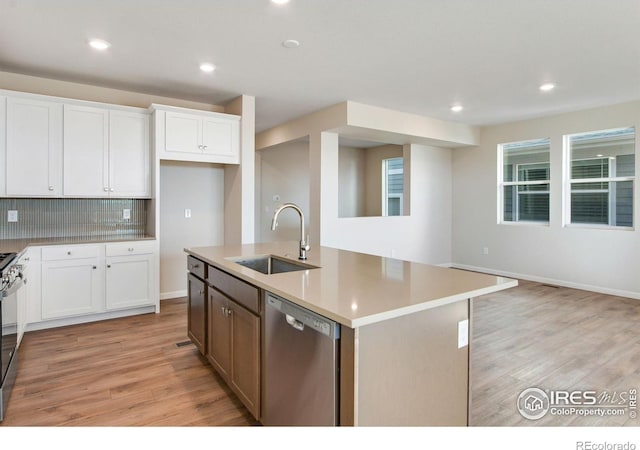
(220, 138)
(3, 146)
(86, 151)
(129, 154)
(219, 332)
(34, 148)
(197, 314)
(70, 288)
(183, 133)
(128, 281)
(245, 357)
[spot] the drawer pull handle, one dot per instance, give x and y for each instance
(95, 267)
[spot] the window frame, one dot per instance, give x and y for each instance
(611, 178)
(385, 188)
(515, 170)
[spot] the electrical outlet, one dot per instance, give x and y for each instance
(12, 215)
(126, 214)
(187, 213)
(463, 333)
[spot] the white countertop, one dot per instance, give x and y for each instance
(351, 288)
(19, 245)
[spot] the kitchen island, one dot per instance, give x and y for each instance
(404, 351)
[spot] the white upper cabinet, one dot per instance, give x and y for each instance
(188, 135)
(33, 147)
(129, 164)
(106, 152)
(86, 151)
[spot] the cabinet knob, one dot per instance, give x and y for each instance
(108, 266)
(95, 267)
(204, 147)
(106, 189)
(68, 253)
(201, 291)
(51, 188)
(130, 249)
(111, 189)
(224, 310)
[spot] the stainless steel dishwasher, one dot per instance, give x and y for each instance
(301, 366)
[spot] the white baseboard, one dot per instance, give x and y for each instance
(552, 281)
(174, 294)
(445, 265)
(55, 323)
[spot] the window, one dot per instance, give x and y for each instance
(524, 181)
(601, 175)
(392, 186)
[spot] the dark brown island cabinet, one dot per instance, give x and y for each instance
(234, 314)
(197, 310)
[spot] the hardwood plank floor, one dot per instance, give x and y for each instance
(121, 372)
(552, 338)
(129, 372)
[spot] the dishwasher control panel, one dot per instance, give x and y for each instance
(299, 317)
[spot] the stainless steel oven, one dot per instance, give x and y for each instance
(12, 280)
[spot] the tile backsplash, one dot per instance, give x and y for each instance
(72, 218)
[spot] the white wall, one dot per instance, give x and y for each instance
(375, 156)
(595, 259)
(199, 187)
(284, 172)
(424, 236)
(351, 181)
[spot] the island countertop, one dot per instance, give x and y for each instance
(354, 289)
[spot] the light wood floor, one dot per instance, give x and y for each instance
(551, 338)
(121, 372)
(129, 372)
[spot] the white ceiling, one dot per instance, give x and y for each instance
(418, 56)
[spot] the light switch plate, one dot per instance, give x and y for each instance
(12, 215)
(463, 333)
(187, 213)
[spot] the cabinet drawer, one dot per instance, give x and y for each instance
(62, 252)
(243, 293)
(196, 267)
(131, 248)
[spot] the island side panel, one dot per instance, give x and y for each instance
(347, 376)
(410, 372)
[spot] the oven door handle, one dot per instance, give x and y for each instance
(14, 287)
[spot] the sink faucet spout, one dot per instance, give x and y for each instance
(304, 240)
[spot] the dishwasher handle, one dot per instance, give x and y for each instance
(294, 323)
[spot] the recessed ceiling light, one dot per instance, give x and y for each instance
(547, 87)
(207, 67)
(291, 43)
(280, 2)
(457, 108)
(99, 44)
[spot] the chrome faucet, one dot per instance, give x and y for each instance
(304, 241)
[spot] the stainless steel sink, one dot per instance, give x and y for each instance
(270, 264)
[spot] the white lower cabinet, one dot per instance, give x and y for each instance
(129, 278)
(72, 278)
(93, 279)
